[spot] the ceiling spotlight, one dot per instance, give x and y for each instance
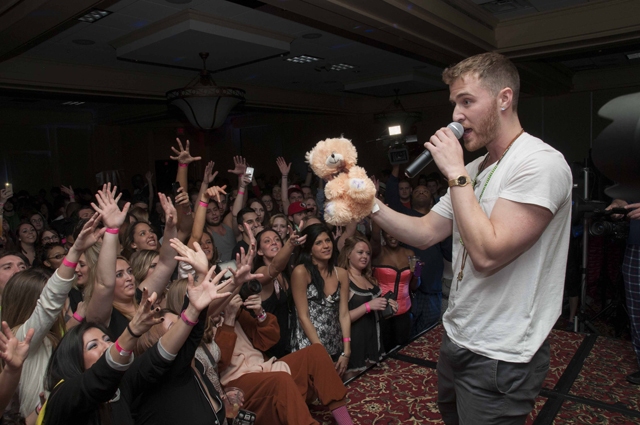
(303, 59)
(341, 67)
(94, 16)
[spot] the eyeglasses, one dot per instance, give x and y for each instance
(48, 239)
(57, 257)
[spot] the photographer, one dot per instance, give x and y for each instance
(631, 275)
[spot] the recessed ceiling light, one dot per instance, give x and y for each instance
(341, 67)
(312, 35)
(631, 56)
(70, 103)
(303, 59)
(83, 42)
(94, 15)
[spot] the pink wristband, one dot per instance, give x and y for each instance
(68, 263)
(346, 339)
(186, 320)
(78, 317)
(204, 204)
(112, 230)
(183, 165)
(122, 351)
(240, 192)
(366, 305)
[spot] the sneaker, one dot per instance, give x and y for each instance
(634, 378)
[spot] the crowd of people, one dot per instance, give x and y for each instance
(271, 289)
(222, 288)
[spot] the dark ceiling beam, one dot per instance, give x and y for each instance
(29, 22)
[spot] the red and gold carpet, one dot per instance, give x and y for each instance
(585, 384)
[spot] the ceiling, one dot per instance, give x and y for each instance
(365, 50)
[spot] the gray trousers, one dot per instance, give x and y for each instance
(473, 389)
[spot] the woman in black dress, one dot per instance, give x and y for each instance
(365, 305)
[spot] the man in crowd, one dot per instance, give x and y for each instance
(509, 214)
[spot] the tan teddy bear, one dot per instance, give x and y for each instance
(349, 193)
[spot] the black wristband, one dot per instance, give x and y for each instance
(131, 332)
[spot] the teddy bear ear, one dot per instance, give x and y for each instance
(308, 156)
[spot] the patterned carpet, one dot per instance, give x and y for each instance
(585, 384)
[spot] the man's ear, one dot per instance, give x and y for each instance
(505, 97)
(241, 227)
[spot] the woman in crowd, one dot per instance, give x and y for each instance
(140, 235)
(112, 300)
(32, 299)
(391, 269)
(281, 225)
(260, 210)
(143, 263)
(49, 236)
(38, 221)
(51, 255)
(267, 200)
(321, 295)
(365, 305)
(27, 240)
(275, 390)
(271, 261)
(87, 369)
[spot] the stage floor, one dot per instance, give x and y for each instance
(585, 384)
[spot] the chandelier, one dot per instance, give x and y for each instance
(205, 104)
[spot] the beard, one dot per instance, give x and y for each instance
(486, 130)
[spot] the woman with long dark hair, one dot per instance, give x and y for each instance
(321, 295)
(35, 299)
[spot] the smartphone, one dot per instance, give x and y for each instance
(249, 173)
(8, 186)
(174, 188)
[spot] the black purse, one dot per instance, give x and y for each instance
(388, 310)
(245, 417)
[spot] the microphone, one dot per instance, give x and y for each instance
(425, 157)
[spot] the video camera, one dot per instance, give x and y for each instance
(252, 287)
(604, 225)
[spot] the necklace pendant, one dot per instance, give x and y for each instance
(460, 276)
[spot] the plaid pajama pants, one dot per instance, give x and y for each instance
(631, 275)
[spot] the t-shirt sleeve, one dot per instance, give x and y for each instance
(443, 207)
(544, 179)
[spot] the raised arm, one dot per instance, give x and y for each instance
(239, 203)
(201, 213)
(100, 304)
(299, 282)
(184, 158)
(281, 260)
(161, 276)
(13, 353)
(284, 170)
(149, 177)
(207, 179)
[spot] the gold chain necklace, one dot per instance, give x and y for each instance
(465, 253)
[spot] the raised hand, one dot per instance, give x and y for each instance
(244, 264)
(89, 235)
(240, 166)
(149, 176)
(12, 351)
(68, 191)
(146, 315)
(295, 237)
(170, 214)
(108, 208)
(282, 165)
(208, 290)
(5, 194)
(337, 233)
(183, 156)
(196, 257)
(182, 198)
(209, 174)
(215, 191)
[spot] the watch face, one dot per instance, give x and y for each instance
(462, 180)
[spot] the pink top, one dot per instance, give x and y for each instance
(397, 281)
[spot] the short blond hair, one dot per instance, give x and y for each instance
(494, 71)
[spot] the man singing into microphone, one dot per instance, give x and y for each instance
(509, 215)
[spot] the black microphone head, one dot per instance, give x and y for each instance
(457, 129)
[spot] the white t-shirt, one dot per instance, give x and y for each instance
(507, 314)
